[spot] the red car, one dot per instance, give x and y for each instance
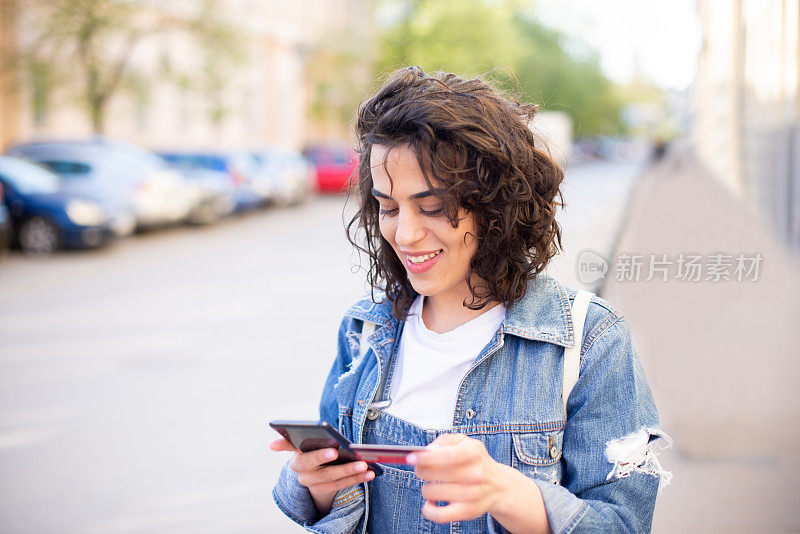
(335, 167)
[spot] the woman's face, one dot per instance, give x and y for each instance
(436, 255)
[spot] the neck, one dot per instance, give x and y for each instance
(443, 313)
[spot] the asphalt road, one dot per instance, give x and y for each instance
(136, 381)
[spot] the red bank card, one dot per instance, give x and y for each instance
(385, 454)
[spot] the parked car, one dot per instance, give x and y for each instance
(291, 174)
(108, 171)
(335, 167)
(212, 195)
(45, 217)
(250, 189)
(78, 180)
(215, 195)
(6, 227)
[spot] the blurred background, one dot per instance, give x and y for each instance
(173, 266)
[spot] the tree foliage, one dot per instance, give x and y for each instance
(87, 45)
(561, 82)
(338, 74)
(503, 40)
(465, 36)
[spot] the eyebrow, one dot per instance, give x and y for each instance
(421, 194)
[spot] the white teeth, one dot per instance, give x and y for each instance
(420, 259)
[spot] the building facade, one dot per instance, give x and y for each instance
(747, 102)
(167, 99)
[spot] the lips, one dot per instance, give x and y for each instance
(426, 264)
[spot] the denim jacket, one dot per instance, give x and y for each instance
(597, 470)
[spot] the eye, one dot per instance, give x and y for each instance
(431, 213)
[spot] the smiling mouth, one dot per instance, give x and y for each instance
(421, 259)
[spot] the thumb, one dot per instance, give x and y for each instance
(447, 440)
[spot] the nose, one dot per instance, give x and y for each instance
(409, 228)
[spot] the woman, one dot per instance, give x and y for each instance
(473, 346)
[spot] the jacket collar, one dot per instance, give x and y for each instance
(543, 314)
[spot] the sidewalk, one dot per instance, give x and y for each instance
(596, 196)
(721, 357)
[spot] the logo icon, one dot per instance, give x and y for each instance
(591, 267)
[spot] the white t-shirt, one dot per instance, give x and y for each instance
(430, 366)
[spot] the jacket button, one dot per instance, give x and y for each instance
(470, 413)
(553, 451)
(372, 414)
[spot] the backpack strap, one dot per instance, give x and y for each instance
(572, 356)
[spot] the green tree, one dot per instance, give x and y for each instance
(87, 45)
(559, 81)
(470, 37)
(339, 77)
(504, 41)
(223, 48)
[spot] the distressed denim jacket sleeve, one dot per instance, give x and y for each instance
(611, 473)
(293, 498)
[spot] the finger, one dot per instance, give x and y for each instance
(464, 474)
(457, 449)
(333, 473)
(313, 459)
(346, 482)
(282, 444)
(446, 455)
(457, 511)
(451, 491)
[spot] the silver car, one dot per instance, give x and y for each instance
(291, 174)
(113, 172)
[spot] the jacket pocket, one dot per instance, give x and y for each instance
(538, 454)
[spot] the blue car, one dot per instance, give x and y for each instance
(5, 225)
(250, 189)
(46, 218)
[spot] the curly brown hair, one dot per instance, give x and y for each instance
(476, 146)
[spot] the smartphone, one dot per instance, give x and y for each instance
(313, 435)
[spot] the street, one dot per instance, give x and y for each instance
(136, 382)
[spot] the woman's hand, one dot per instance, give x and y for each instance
(323, 482)
(458, 469)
